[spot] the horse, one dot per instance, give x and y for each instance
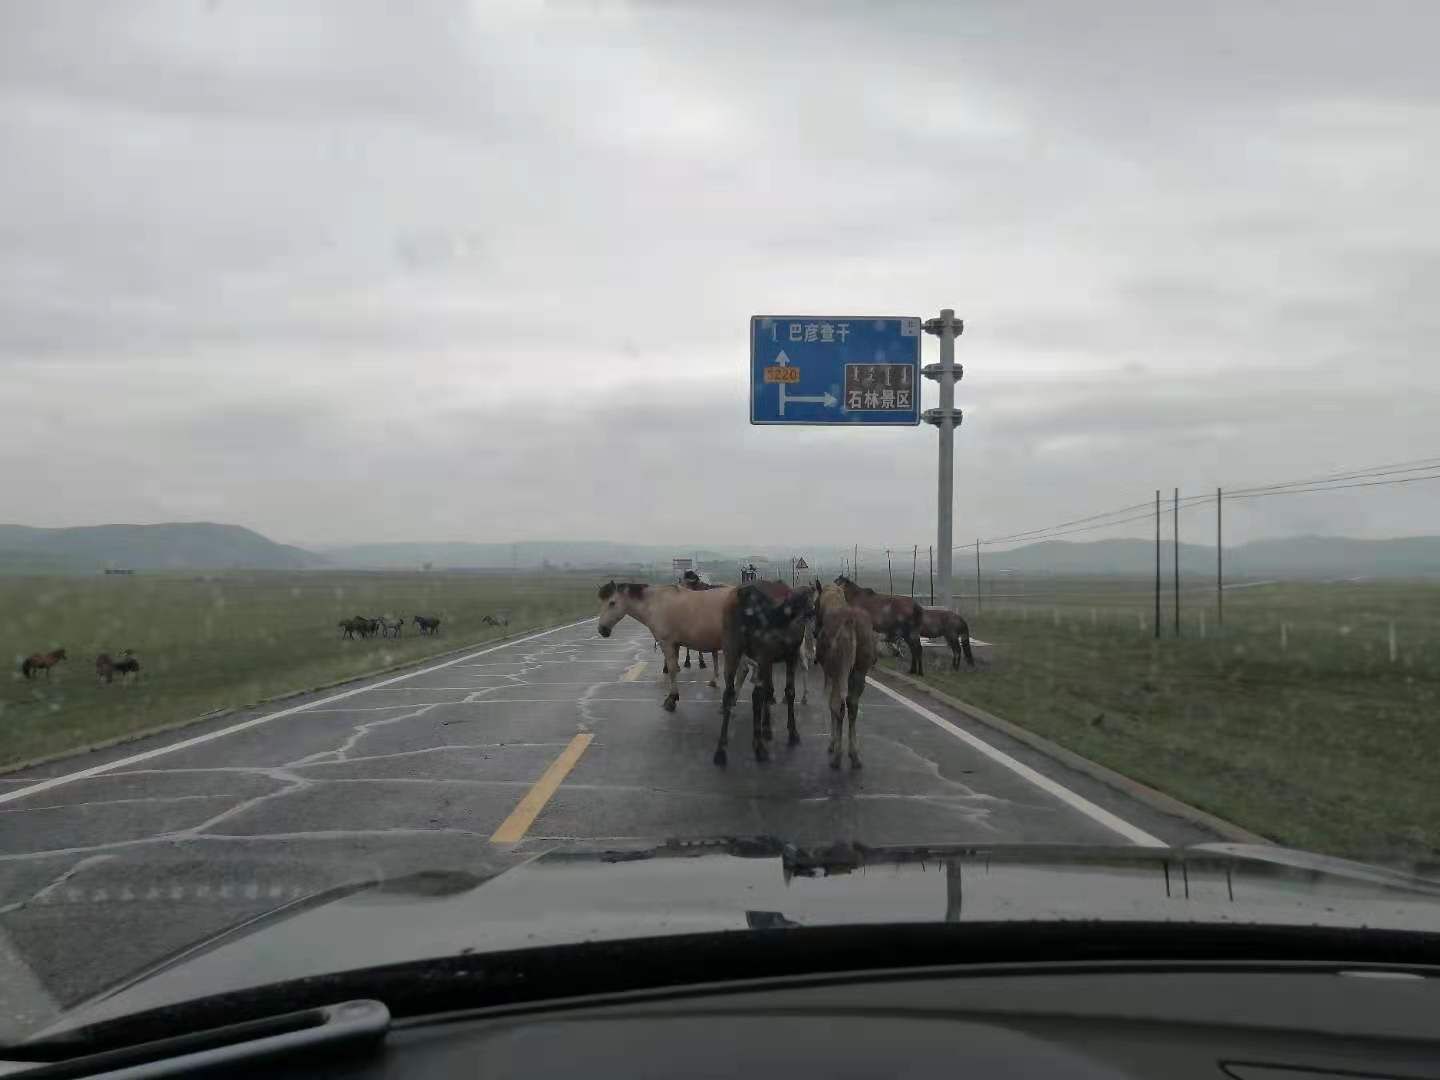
(691, 580)
(767, 632)
(106, 666)
(37, 662)
(941, 623)
(495, 620)
(358, 625)
(391, 627)
(427, 625)
(891, 616)
(673, 614)
(845, 650)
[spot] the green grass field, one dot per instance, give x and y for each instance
(1293, 721)
(220, 641)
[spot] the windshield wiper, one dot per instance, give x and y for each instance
(327, 1028)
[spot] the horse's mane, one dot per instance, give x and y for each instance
(634, 589)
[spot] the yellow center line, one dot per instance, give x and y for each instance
(633, 672)
(512, 829)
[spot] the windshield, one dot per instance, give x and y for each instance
(439, 436)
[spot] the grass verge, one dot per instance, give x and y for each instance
(1323, 743)
(212, 642)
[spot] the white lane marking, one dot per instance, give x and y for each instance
(245, 725)
(1044, 783)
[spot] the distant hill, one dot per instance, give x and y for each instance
(523, 555)
(1294, 557)
(199, 545)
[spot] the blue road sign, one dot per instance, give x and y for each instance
(834, 369)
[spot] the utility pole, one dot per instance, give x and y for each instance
(930, 561)
(977, 573)
(1175, 528)
(947, 328)
(855, 565)
(1219, 563)
(914, 567)
(1157, 562)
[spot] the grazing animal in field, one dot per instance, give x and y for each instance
(845, 651)
(372, 627)
(391, 627)
(495, 620)
(767, 632)
(357, 625)
(427, 625)
(107, 667)
(892, 616)
(38, 662)
(940, 623)
(674, 614)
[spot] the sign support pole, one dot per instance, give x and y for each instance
(947, 326)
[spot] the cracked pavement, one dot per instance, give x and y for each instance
(104, 876)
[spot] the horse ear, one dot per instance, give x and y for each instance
(607, 590)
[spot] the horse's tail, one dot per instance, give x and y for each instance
(840, 653)
(27, 667)
(965, 640)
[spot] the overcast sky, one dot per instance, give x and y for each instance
(361, 271)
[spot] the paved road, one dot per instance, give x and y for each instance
(463, 764)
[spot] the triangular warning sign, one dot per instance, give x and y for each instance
(801, 564)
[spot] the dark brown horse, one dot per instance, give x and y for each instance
(427, 625)
(37, 662)
(107, 667)
(767, 632)
(940, 623)
(358, 625)
(892, 616)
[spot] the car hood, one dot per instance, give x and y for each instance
(574, 895)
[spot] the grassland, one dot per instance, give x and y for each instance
(219, 641)
(1292, 721)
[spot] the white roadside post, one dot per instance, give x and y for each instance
(947, 418)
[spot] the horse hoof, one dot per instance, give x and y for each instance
(670, 702)
(835, 762)
(761, 754)
(719, 758)
(794, 739)
(854, 762)
(686, 665)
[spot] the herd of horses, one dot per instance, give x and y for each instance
(385, 626)
(760, 624)
(106, 666)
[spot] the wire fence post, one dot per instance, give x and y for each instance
(930, 557)
(1175, 529)
(1157, 563)
(855, 564)
(914, 567)
(889, 572)
(1219, 563)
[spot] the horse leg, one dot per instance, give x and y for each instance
(687, 657)
(727, 703)
(837, 719)
(792, 733)
(672, 666)
(766, 686)
(759, 714)
(953, 640)
(714, 666)
(917, 660)
(852, 706)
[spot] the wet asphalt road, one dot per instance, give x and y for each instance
(104, 875)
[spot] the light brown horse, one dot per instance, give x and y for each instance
(940, 623)
(673, 614)
(37, 662)
(106, 666)
(845, 651)
(892, 616)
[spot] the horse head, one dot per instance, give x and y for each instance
(615, 603)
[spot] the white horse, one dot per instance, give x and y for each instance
(673, 614)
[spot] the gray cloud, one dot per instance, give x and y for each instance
(484, 271)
